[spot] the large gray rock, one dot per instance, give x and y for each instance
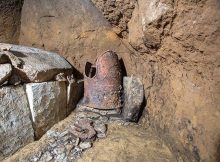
(133, 98)
(5, 72)
(15, 124)
(48, 104)
(34, 65)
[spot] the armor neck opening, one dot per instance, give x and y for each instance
(90, 71)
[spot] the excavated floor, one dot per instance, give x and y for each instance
(128, 144)
(124, 142)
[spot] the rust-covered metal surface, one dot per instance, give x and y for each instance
(103, 82)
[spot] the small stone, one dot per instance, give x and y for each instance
(46, 157)
(59, 150)
(5, 72)
(61, 157)
(133, 98)
(76, 153)
(34, 159)
(50, 133)
(53, 144)
(77, 141)
(85, 145)
(100, 128)
(63, 133)
(67, 139)
(103, 119)
(101, 135)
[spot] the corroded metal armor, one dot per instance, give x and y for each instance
(102, 82)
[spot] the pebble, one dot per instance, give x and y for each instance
(53, 144)
(51, 133)
(46, 157)
(76, 153)
(77, 142)
(101, 129)
(85, 145)
(59, 150)
(61, 157)
(63, 133)
(101, 135)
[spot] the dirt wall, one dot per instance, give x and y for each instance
(178, 47)
(10, 15)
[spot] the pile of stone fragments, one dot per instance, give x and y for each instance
(38, 89)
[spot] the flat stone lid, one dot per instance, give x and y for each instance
(33, 64)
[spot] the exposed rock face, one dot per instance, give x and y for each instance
(15, 124)
(150, 23)
(10, 15)
(58, 27)
(35, 65)
(117, 12)
(181, 78)
(48, 104)
(5, 72)
(133, 98)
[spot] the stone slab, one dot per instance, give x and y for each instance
(15, 124)
(34, 65)
(133, 98)
(48, 104)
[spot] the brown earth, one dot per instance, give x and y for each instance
(58, 27)
(174, 48)
(183, 97)
(10, 15)
(129, 144)
(118, 13)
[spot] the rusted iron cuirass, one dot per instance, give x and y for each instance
(102, 83)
